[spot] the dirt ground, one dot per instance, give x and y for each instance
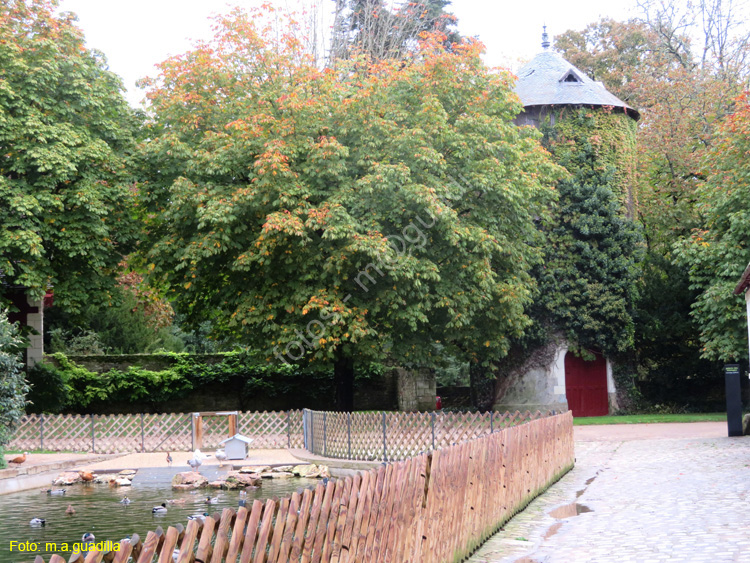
(625, 432)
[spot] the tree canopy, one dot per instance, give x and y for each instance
(64, 129)
(716, 254)
(360, 213)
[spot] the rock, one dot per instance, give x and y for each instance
(282, 469)
(746, 425)
(101, 479)
(182, 487)
(127, 473)
(192, 479)
(255, 469)
(243, 479)
(122, 482)
(217, 484)
(67, 478)
(324, 473)
(272, 475)
(305, 470)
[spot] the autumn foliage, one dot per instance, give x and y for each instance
(332, 216)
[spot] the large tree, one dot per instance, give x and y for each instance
(339, 216)
(64, 128)
(716, 254)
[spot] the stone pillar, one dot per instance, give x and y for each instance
(416, 389)
(35, 351)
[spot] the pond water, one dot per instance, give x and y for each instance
(98, 509)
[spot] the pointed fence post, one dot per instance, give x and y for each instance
(492, 428)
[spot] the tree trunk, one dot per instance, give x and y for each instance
(343, 376)
(482, 381)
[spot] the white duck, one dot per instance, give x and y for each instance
(197, 459)
(221, 456)
(125, 500)
(37, 522)
(162, 509)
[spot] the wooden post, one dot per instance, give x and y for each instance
(143, 436)
(41, 432)
(349, 433)
(385, 454)
(232, 424)
(325, 435)
(289, 429)
(432, 424)
(93, 440)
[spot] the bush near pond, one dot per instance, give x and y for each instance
(238, 381)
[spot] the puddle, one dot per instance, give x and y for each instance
(588, 482)
(572, 509)
(552, 530)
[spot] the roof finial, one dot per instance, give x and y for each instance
(545, 39)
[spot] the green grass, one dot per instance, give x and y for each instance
(649, 418)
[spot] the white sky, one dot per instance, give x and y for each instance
(136, 34)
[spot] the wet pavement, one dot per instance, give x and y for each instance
(638, 495)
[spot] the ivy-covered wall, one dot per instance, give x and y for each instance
(611, 135)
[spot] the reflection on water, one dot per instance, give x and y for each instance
(99, 511)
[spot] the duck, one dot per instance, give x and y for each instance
(213, 500)
(221, 456)
(20, 459)
(70, 510)
(194, 463)
(86, 476)
(175, 554)
(199, 517)
(125, 500)
(88, 537)
(243, 494)
(162, 509)
(37, 522)
(56, 492)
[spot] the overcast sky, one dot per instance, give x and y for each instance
(136, 34)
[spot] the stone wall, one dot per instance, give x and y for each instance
(416, 389)
(538, 384)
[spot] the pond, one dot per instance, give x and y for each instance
(98, 510)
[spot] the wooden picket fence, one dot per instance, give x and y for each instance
(435, 507)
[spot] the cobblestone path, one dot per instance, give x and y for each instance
(640, 501)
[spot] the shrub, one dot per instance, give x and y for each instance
(13, 387)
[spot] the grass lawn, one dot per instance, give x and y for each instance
(646, 418)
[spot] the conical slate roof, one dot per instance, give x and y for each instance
(550, 80)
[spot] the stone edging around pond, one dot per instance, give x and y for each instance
(248, 476)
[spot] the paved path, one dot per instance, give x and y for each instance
(639, 496)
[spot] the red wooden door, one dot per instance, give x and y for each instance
(586, 385)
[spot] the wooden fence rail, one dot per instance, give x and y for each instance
(433, 508)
